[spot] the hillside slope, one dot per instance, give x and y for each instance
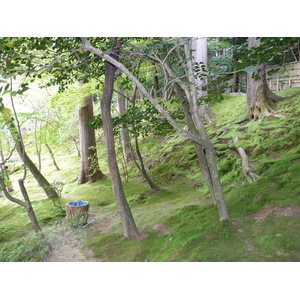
(179, 223)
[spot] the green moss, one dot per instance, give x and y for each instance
(195, 232)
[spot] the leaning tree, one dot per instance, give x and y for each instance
(202, 139)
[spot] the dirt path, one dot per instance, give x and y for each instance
(67, 243)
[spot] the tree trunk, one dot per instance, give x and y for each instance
(199, 150)
(90, 170)
(37, 143)
(52, 156)
(76, 144)
(1, 155)
(199, 52)
(235, 82)
(155, 83)
(124, 130)
(42, 181)
(29, 209)
(259, 97)
(207, 145)
(129, 226)
(153, 186)
(201, 139)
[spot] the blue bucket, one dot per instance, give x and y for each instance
(78, 203)
(77, 209)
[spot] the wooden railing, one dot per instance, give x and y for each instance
(287, 77)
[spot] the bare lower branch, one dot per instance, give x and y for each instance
(7, 194)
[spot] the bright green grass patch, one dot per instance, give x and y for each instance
(197, 235)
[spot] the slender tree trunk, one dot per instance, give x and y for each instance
(208, 147)
(155, 83)
(52, 156)
(141, 167)
(235, 82)
(199, 150)
(1, 156)
(90, 170)
(38, 149)
(125, 137)
(76, 144)
(9, 187)
(29, 209)
(42, 181)
(129, 226)
(199, 52)
(153, 186)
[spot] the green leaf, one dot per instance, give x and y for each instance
(11, 43)
(250, 69)
(159, 45)
(148, 51)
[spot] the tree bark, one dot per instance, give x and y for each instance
(155, 82)
(199, 150)
(153, 186)
(52, 156)
(259, 97)
(1, 155)
(235, 82)
(128, 223)
(199, 52)
(125, 137)
(90, 170)
(42, 181)
(29, 209)
(38, 148)
(207, 145)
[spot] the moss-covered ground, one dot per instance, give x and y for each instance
(265, 215)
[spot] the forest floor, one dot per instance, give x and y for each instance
(68, 244)
(179, 223)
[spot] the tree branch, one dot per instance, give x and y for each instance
(87, 46)
(6, 193)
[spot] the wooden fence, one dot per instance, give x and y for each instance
(287, 77)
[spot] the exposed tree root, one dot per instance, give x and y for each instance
(272, 96)
(248, 173)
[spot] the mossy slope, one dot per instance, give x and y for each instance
(183, 207)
